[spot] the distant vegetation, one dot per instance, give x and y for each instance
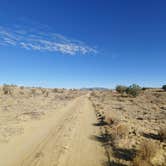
(121, 89)
(95, 88)
(133, 90)
(164, 87)
(7, 89)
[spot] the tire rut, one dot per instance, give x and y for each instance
(49, 150)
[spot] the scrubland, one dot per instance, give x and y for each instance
(69, 127)
(133, 129)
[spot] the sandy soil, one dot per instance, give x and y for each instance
(62, 139)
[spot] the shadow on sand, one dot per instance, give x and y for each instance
(103, 138)
(118, 153)
(152, 136)
(124, 154)
(102, 123)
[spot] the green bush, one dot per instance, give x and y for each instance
(121, 89)
(164, 87)
(133, 90)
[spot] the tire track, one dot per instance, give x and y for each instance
(61, 140)
(53, 146)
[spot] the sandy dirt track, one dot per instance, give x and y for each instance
(61, 140)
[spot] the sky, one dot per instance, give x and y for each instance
(83, 43)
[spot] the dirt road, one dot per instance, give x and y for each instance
(61, 140)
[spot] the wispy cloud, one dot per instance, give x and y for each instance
(42, 41)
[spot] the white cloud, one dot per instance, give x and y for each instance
(42, 41)
(9, 41)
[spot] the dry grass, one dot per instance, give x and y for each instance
(128, 117)
(46, 94)
(110, 121)
(55, 90)
(93, 94)
(112, 118)
(119, 131)
(43, 91)
(122, 130)
(145, 154)
(33, 92)
(20, 105)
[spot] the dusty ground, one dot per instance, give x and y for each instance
(25, 105)
(58, 127)
(55, 129)
(129, 122)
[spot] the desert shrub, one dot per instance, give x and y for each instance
(55, 90)
(133, 90)
(21, 87)
(146, 88)
(164, 87)
(46, 94)
(121, 89)
(110, 120)
(93, 94)
(43, 91)
(7, 90)
(145, 153)
(33, 91)
(119, 131)
(162, 134)
(122, 131)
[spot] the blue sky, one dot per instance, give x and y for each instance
(83, 43)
